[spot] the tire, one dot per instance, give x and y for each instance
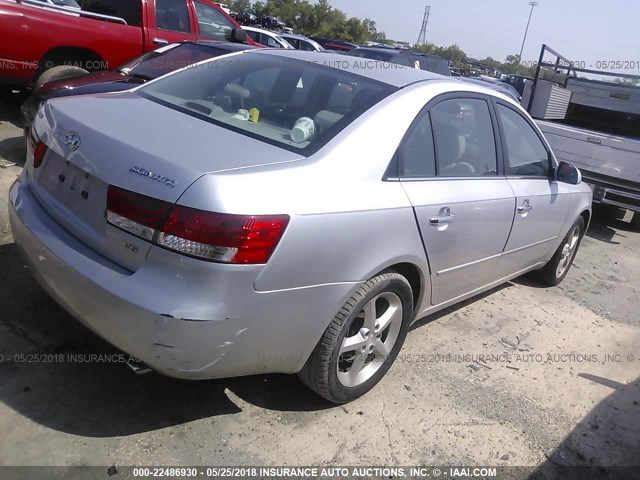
(60, 72)
(557, 268)
(342, 377)
(635, 221)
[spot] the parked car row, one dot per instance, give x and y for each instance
(100, 36)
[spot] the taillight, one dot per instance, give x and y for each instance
(135, 213)
(222, 237)
(217, 237)
(38, 154)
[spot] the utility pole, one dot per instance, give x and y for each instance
(422, 38)
(533, 5)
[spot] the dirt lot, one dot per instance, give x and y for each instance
(561, 383)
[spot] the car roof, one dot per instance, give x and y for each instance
(391, 74)
(402, 51)
(380, 49)
(231, 46)
(262, 30)
(294, 35)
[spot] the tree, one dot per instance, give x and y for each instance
(313, 19)
(239, 5)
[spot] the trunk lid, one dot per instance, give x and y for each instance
(132, 143)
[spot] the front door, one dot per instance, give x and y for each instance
(542, 204)
(172, 23)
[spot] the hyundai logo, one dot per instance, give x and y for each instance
(72, 141)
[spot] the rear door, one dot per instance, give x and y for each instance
(542, 203)
(450, 168)
(172, 22)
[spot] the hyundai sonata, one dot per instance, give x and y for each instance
(287, 212)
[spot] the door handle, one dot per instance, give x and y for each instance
(160, 41)
(443, 218)
(525, 207)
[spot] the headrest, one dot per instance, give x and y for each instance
(237, 90)
(324, 119)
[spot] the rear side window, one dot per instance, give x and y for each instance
(125, 9)
(302, 45)
(526, 154)
(464, 138)
(416, 157)
(172, 15)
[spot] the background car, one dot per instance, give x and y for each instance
(516, 81)
(269, 22)
(334, 44)
(494, 84)
(409, 58)
(267, 213)
(301, 42)
(146, 67)
(224, 7)
(246, 18)
(268, 38)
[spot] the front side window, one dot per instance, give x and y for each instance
(172, 15)
(212, 23)
(255, 36)
(269, 41)
(526, 154)
(464, 138)
(295, 43)
(290, 103)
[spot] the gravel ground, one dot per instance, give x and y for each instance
(519, 376)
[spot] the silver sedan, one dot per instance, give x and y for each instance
(287, 212)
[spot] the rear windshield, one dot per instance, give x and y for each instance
(290, 103)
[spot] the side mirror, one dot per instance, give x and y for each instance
(239, 35)
(567, 173)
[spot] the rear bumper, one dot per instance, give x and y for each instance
(182, 317)
(618, 197)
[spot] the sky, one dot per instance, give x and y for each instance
(589, 31)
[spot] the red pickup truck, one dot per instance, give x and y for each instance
(36, 36)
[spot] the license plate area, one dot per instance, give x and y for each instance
(71, 191)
